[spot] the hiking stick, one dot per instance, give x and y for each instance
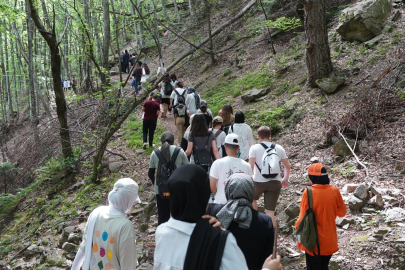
(275, 239)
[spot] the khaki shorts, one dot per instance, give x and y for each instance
(271, 192)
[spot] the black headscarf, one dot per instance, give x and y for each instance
(189, 194)
(239, 117)
(321, 180)
(189, 188)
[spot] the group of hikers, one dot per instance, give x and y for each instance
(68, 84)
(207, 186)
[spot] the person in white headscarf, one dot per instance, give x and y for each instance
(109, 238)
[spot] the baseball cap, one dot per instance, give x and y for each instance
(232, 139)
(218, 119)
(317, 169)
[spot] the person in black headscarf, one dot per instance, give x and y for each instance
(167, 149)
(189, 242)
(253, 231)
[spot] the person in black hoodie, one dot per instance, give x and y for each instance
(125, 60)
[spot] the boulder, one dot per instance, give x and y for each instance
(254, 94)
(33, 251)
(343, 221)
(75, 238)
(376, 201)
(55, 258)
(375, 190)
(364, 20)
(68, 230)
(293, 210)
(69, 247)
(341, 149)
(290, 104)
(150, 209)
(115, 166)
(355, 203)
(349, 188)
(374, 41)
(361, 192)
(331, 84)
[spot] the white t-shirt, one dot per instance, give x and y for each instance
(220, 140)
(190, 103)
(222, 169)
(257, 152)
(174, 96)
(113, 243)
(172, 239)
(246, 138)
(66, 84)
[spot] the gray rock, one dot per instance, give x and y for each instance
(382, 231)
(254, 94)
(374, 41)
(115, 166)
(139, 151)
(297, 41)
(343, 221)
(368, 210)
(396, 16)
(341, 149)
(364, 20)
(400, 241)
(314, 160)
(150, 209)
(76, 186)
(293, 211)
(361, 192)
(379, 237)
(331, 84)
(68, 230)
(389, 199)
(151, 230)
(33, 251)
(375, 190)
(355, 203)
(376, 201)
(70, 256)
(3, 264)
(23, 265)
(55, 258)
(349, 188)
(69, 247)
(290, 104)
(75, 238)
(137, 211)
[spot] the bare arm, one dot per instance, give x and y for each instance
(189, 148)
(215, 149)
(287, 169)
(252, 161)
(213, 184)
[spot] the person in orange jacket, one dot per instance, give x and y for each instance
(327, 205)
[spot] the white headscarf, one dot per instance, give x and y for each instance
(121, 200)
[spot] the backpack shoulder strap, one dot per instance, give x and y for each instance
(264, 145)
(174, 156)
(160, 156)
(310, 199)
(220, 249)
(217, 133)
(273, 146)
(177, 93)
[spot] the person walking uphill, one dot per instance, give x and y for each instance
(181, 119)
(253, 231)
(109, 239)
(263, 162)
(125, 60)
(244, 131)
(327, 204)
(167, 151)
(151, 110)
(137, 74)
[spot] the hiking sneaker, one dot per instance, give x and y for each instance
(145, 145)
(153, 145)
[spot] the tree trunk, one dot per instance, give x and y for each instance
(140, 24)
(17, 76)
(8, 86)
(135, 28)
(211, 44)
(50, 37)
(31, 74)
(86, 63)
(176, 8)
(318, 60)
(191, 7)
(106, 42)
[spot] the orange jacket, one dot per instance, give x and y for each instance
(327, 204)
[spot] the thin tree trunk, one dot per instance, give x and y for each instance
(211, 44)
(117, 41)
(191, 7)
(140, 24)
(2, 83)
(164, 10)
(86, 63)
(318, 60)
(106, 42)
(31, 74)
(50, 37)
(176, 8)
(17, 76)
(135, 28)
(8, 86)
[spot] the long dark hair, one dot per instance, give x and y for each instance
(227, 113)
(173, 77)
(147, 70)
(166, 78)
(199, 126)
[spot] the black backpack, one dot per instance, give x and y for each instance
(178, 95)
(168, 89)
(181, 110)
(166, 169)
(202, 156)
(197, 100)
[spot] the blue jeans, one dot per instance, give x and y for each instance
(135, 83)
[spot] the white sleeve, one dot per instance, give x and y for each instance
(233, 257)
(281, 152)
(79, 259)
(214, 172)
(173, 95)
(252, 151)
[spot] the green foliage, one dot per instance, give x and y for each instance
(284, 23)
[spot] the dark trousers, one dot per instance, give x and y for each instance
(148, 126)
(317, 262)
(163, 207)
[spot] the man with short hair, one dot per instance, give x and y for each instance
(193, 101)
(151, 110)
(271, 187)
(223, 168)
(167, 150)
